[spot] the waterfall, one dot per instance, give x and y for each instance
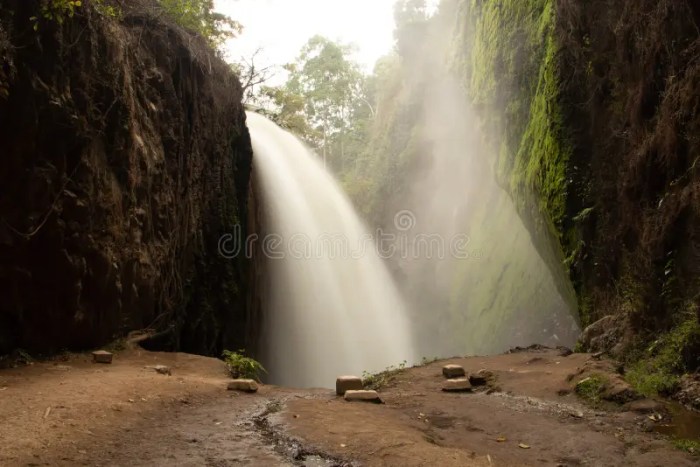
(331, 306)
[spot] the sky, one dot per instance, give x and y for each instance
(282, 27)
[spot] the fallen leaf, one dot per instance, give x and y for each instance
(501, 439)
(523, 446)
(343, 445)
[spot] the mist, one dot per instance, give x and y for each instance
(473, 279)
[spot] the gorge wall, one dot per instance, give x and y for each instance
(596, 111)
(125, 158)
(590, 116)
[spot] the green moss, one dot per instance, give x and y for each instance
(508, 54)
(509, 277)
(591, 388)
(657, 370)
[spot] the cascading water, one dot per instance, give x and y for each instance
(332, 307)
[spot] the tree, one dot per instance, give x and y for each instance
(251, 76)
(286, 109)
(329, 83)
(199, 16)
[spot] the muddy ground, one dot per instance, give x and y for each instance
(74, 412)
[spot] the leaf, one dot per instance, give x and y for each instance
(501, 439)
(523, 446)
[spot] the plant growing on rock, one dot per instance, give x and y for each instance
(381, 379)
(241, 366)
(590, 389)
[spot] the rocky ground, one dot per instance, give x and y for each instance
(74, 412)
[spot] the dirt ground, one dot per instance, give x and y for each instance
(75, 412)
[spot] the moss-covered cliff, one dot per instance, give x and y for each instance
(595, 107)
(591, 115)
(125, 158)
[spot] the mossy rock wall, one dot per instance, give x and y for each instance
(593, 108)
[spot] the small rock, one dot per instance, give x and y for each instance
(162, 369)
(453, 371)
(101, 356)
(363, 396)
(457, 385)
(347, 383)
(243, 385)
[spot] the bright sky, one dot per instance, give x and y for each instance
(282, 27)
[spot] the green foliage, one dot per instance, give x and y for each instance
(241, 366)
(199, 16)
(56, 10)
(691, 446)
(105, 9)
(379, 380)
(591, 388)
(286, 109)
(657, 370)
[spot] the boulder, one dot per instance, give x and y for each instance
(457, 385)
(620, 391)
(102, 356)
(362, 396)
(453, 371)
(347, 383)
(243, 385)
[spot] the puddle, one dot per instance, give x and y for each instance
(685, 424)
